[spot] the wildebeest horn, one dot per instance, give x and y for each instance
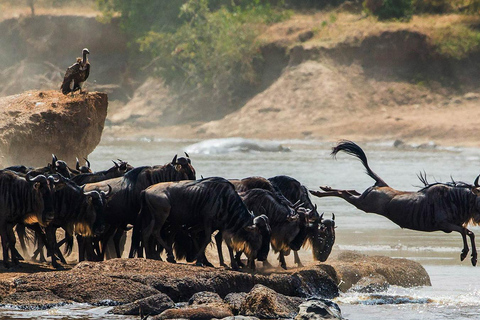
(106, 194)
(321, 217)
(174, 161)
(333, 216)
(53, 179)
(186, 154)
(88, 162)
(54, 161)
(78, 164)
(38, 178)
(476, 181)
(116, 164)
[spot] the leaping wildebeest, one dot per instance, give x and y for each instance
(443, 207)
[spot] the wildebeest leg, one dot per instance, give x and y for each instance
(106, 236)
(238, 255)
(11, 243)
(51, 244)
(281, 258)
(218, 242)
(206, 238)
(233, 259)
(329, 192)
(448, 227)
(297, 259)
(81, 248)
(5, 245)
(116, 240)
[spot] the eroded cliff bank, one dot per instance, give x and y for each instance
(36, 124)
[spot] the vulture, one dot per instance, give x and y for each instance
(76, 74)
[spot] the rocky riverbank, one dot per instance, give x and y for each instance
(182, 290)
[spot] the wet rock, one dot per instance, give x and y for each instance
(83, 287)
(202, 312)
(350, 267)
(370, 284)
(235, 300)
(205, 297)
(240, 318)
(265, 303)
(152, 305)
(318, 308)
(33, 125)
(34, 300)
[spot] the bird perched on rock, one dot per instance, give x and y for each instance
(76, 74)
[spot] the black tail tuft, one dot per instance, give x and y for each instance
(353, 149)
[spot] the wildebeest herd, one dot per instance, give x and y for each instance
(175, 215)
(169, 210)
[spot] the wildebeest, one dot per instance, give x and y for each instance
(443, 207)
(285, 222)
(205, 205)
(76, 212)
(320, 235)
(23, 200)
(124, 201)
(118, 170)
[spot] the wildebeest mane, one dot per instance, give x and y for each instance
(294, 191)
(15, 193)
(70, 207)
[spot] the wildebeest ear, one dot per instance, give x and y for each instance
(174, 161)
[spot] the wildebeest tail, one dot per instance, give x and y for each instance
(23, 236)
(353, 149)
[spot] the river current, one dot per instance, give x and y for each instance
(455, 290)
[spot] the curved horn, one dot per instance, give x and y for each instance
(78, 164)
(116, 164)
(333, 216)
(476, 181)
(186, 154)
(38, 178)
(106, 194)
(321, 217)
(174, 161)
(54, 160)
(88, 162)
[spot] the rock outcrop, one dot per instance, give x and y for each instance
(36, 124)
(179, 290)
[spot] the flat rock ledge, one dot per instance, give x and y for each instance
(36, 124)
(180, 290)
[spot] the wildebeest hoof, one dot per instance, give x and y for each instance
(59, 267)
(463, 255)
(199, 264)
(171, 260)
(284, 266)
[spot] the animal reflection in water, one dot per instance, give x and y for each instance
(436, 207)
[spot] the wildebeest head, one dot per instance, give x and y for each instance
(85, 168)
(321, 237)
(184, 166)
(60, 166)
(44, 191)
(96, 217)
(259, 238)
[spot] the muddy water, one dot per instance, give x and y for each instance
(455, 291)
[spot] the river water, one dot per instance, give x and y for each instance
(455, 290)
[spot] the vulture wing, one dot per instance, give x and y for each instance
(70, 77)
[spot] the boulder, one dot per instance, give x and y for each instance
(235, 300)
(263, 302)
(350, 267)
(34, 300)
(318, 308)
(36, 124)
(152, 305)
(196, 313)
